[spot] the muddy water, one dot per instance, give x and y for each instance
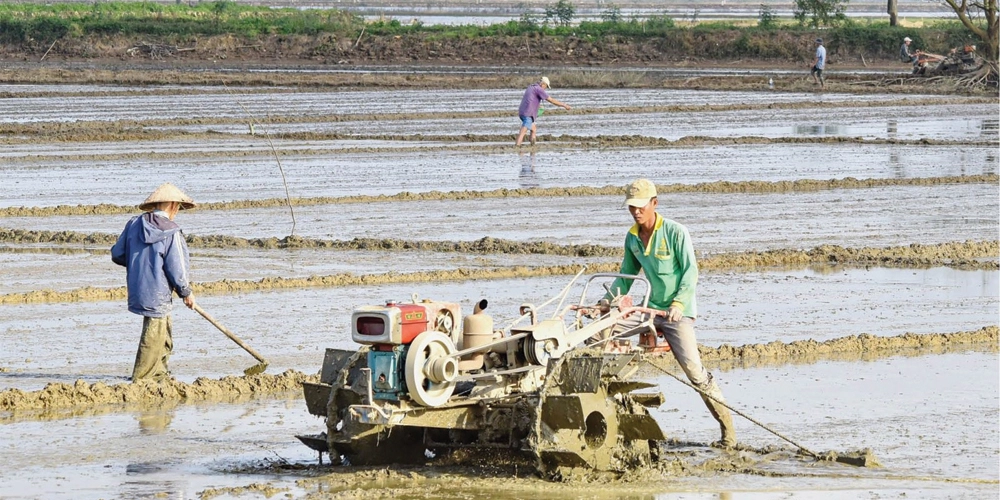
(47, 176)
(291, 328)
(223, 103)
(62, 269)
(933, 430)
(956, 122)
(934, 439)
(158, 452)
(876, 217)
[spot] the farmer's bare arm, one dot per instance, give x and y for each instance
(557, 103)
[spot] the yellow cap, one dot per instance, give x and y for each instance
(639, 193)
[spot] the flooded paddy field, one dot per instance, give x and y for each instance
(294, 326)
(849, 293)
(721, 222)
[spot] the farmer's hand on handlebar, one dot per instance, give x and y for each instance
(189, 301)
(674, 313)
(604, 306)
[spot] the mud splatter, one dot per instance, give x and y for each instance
(254, 488)
(801, 185)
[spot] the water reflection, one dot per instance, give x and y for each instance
(155, 421)
(991, 164)
(819, 130)
(527, 177)
(990, 128)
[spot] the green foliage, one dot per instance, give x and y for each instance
(872, 38)
(29, 21)
(818, 13)
(12, 31)
(659, 24)
(528, 22)
(562, 11)
(612, 14)
(766, 18)
(38, 23)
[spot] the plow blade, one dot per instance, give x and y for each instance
(634, 427)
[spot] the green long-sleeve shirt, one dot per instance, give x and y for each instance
(668, 262)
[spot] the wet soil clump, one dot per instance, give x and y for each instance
(144, 393)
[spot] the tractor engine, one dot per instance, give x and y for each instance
(390, 329)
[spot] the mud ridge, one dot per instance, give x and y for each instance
(601, 141)
(716, 187)
(863, 344)
(614, 74)
(60, 396)
(963, 255)
(960, 255)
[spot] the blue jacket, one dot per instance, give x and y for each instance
(155, 256)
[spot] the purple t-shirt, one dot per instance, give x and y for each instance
(533, 96)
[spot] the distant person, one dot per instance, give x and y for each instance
(155, 256)
(904, 52)
(819, 63)
(532, 100)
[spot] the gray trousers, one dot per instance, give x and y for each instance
(680, 336)
(155, 346)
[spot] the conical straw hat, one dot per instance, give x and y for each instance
(167, 192)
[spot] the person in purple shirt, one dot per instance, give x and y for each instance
(528, 112)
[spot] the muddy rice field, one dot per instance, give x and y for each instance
(849, 289)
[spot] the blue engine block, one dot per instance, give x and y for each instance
(388, 380)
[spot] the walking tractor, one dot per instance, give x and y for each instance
(555, 390)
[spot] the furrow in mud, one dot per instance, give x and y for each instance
(504, 140)
(43, 128)
(486, 144)
(81, 395)
(717, 187)
(960, 255)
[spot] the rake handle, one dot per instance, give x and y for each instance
(229, 334)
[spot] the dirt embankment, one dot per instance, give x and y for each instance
(147, 393)
(680, 47)
(801, 185)
(863, 344)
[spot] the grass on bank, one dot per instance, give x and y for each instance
(26, 23)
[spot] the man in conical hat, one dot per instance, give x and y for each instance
(155, 256)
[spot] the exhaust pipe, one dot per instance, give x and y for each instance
(477, 330)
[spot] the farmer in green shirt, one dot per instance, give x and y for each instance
(662, 249)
